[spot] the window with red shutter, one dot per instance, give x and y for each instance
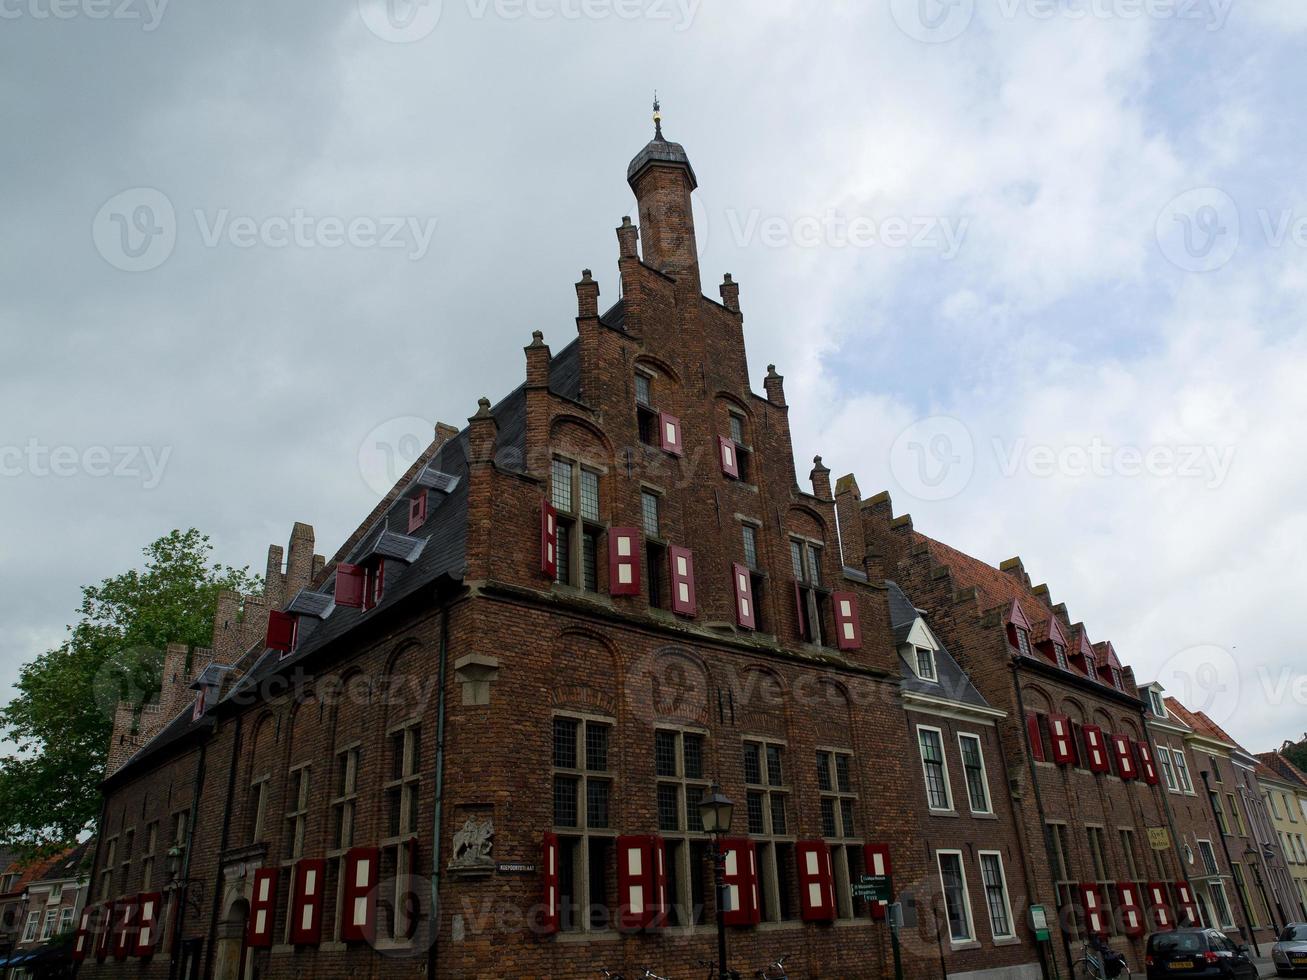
(1132, 919)
(1146, 764)
(745, 614)
(82, 937)
(147, 936)
(1186, 907)
(306, 902)
(124, 940)
(658, 918)
(548, 540)
(1059, 730)
(669, 434)
(281, 631)
(623, 561)
(550, 920)
(741, 878)
(417, 510)
(104, 938)
(876, 859)
(727, 452)
(1096, 750)
(1159, 908)
(1125, 757)
(374, 584)
(816, 882)
(681, 561)
(349, 586)
(1036, 739)
(636, 888)
(263, 905)
(1095, 917)
(848, 626)
(359, 908)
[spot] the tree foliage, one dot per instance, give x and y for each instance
(59, 722)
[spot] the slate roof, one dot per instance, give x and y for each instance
(659, 150)
(436, 551)
(954, 684)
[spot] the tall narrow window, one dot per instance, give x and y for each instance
(344, 802)
(809, 596)
(297, 813)
(574, 493)
(1168, 773)
(1128, 848)
(957, 903)
(750, 546)
(1023, 640)
(147, 859)
(1064, 884)
(938, 793)
(973, 767)
(926, 663)
(106, 868)
(678, 765)
(743, 454)
(1182, 771)
(258, 809)
(646, 415)
(996, 897)
(1059, 653)
(839, 824)
(403, 794)
(767, 815)
(655, 549)
(582, 779)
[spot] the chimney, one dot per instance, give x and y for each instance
(627, 236)
(848, 499)
(820, 477)
(730, 290)
(775, 386)
(482, 432)
(537, 361)
(445, 432)
(587, 296)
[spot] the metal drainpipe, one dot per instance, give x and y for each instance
(1039, 806)
(1225, 846)
(226, 830)
(432, 958)
(186, 866)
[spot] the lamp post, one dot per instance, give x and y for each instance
(715, 812)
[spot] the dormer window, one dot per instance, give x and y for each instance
(361, 586)
(1059, 654)
(201, 696)
(374, 584)
(417, 510)
(1023, 640)
(1155, 700)
(926, 664)
(1118, 681)
(1091, 668)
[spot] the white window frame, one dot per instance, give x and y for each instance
(1182, 768)
(966, 894)
(33, 923)
(984, 775)
(916, 665)
(925, 775)
(1168, 768)
(1214, 887)
(1155, 702)
(1007, 895)
(49, 923)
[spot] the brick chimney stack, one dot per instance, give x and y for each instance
(730, 290)
(775, 386)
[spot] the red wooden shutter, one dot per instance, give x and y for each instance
(263, 906)
(623, 561)
(1095, 920)
(417, 510)
(726, 450)
(848, 627)
(1146, 764)
(1059, 728)
(635, 882)
(1159, 909)
(1132, 919)
(82, 937)
(306, 902)
(816, 883)
(745, 614)
(147, 937)
(876, 859)
(105, 936)
(550, 921)
(669, 434)
(659, 917)
(1096, 750)
(1036, 741)
(349, 586)
(359, 922)
(741, 877)
(1125, 757)
(281, 631)
(548, 540)
(124, 944)
(682, 566)
(1186, 907)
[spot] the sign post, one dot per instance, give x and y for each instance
(878, 888)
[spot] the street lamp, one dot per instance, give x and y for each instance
(715, 812)
(174, 863)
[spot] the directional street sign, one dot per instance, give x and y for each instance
(872, 888)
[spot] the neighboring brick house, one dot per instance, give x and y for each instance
(1229, 774)
(1079, 766)
(52, 900)
(1280, 792)
(511, 686)
(968, 826)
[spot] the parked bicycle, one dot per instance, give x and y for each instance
(1100, 962)
(711, 967)
(646, 975)
(774, 972)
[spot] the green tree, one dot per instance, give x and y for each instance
(1297, 754)
(61, 717)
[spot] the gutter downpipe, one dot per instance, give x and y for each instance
(433, 944)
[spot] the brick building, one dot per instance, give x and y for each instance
(1080, 767)
(51, 901)
(1278, 775)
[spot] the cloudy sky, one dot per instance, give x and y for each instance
(1037, 267)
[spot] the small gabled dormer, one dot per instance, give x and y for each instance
(1083, 657)
(285, 628)
(1155, 695)
(361, 584)
(919, 649)
(419, 495)
(1018, 629)
(1109, 665)
(207, 687)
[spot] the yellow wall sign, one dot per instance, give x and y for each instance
(1159, 838)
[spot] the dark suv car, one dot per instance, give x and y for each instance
(1197, 952)
(1289, 954)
